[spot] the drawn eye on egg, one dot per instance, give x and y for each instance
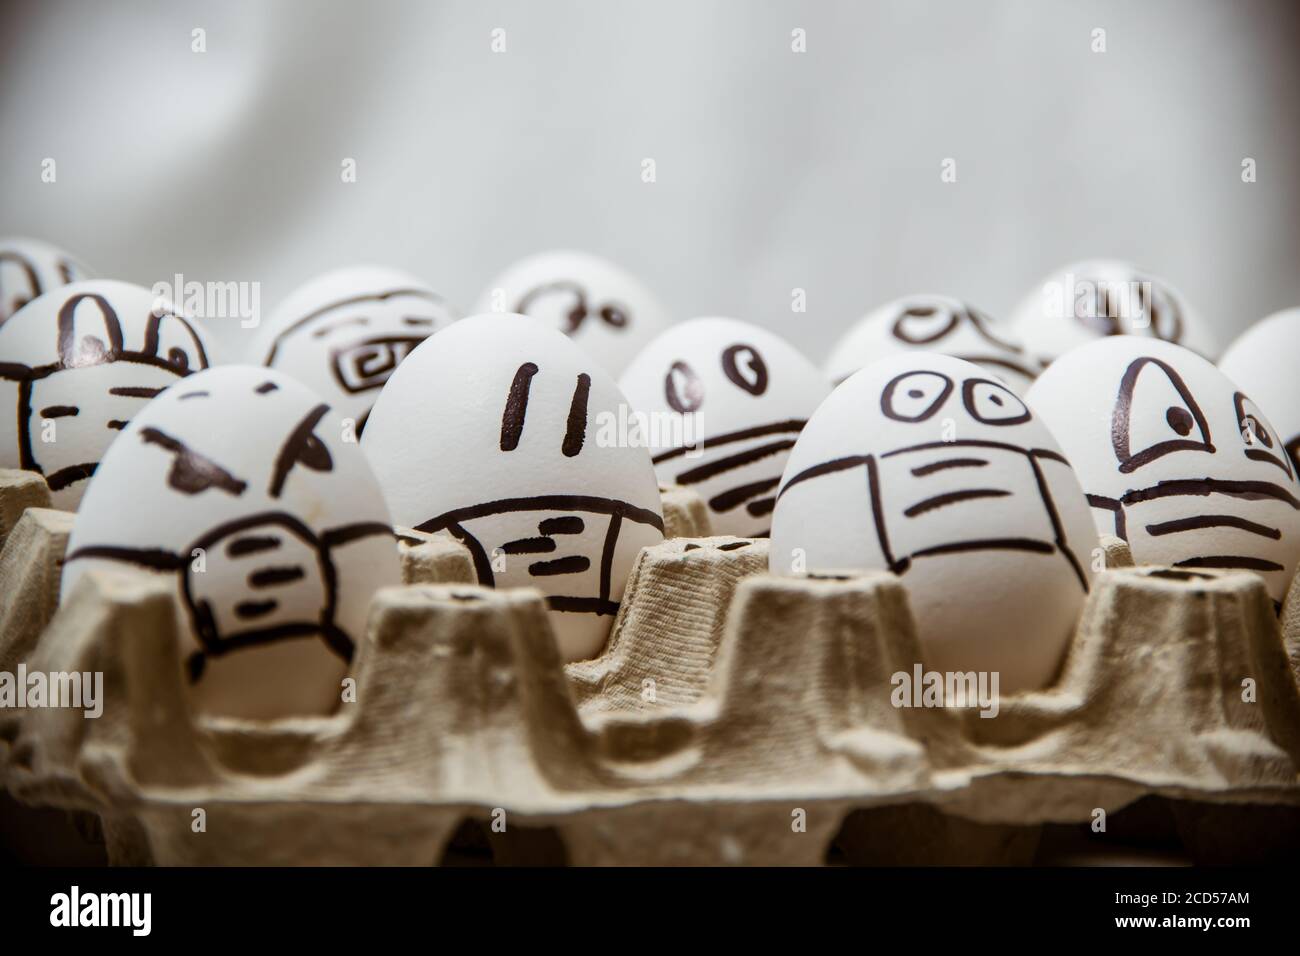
(745, 368)
(1259, 443)
(568, 301)
(924, 324)
(915, 396)
(992, 403)
(1155, 415)
(683, 389)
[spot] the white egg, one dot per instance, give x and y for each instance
(933, 323)
(601, 306)
(1102, 297)
(240, 484)
(1264, 361)
(720, 403)
(29, 268)
(342, 333)
(75, 365)
(1174, 458)
(503, 432)
(927, 466)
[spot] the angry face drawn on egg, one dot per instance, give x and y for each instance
(75, 365)
(1098, 298)
(927, 466)
(601, 306)
(342, 333)
(1263, 361)
(1175, 459)
(29, 268)
(720, 403)
(239, 485)
(933, 323)
(491, 431)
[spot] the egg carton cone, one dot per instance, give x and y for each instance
(735, 717)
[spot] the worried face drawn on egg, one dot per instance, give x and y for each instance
(933, 323)
(1175, 459)
(76, 364)
(238, 484)
(1263, 360)
(721, 403)
(926, 466)
(598, 304)
(489, 431)
(29, 268)
(342, 333)
(1099, 298)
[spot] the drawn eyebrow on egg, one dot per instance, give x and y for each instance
(302, 448)
(418, 320)
(191, 472)
(512, 419)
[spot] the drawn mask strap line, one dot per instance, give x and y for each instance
(793, 425)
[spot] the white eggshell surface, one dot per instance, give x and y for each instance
(75, 365)
(495, 431)
(1265, 361)
(933, 323)
(722, 403)
(1174, 457)
(239, 485)
(1096, 298)
(601, 306)
(342, 333)
(928, 466)
(29, 268)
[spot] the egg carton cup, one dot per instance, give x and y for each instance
(735, 717)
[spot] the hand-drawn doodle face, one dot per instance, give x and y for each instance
(723, 402)
(29, 268)
(1263, 362)
(599, 305)
(933, 323)
(342, 333)
(1174, 458)
(927, 466)
(1090, 300)
(497, 430)
(239, 484)
(77, 363)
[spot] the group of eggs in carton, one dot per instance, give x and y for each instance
(551, 647)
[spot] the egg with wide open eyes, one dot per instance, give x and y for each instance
(1264, 361)
(504, 433)
(929, 467)
(342, 333)
(719, 403)
(600, 305)
(75, 365)
(247, 491)
(1098, 298)
(29, 268)
(1174, 457)
(933, 323)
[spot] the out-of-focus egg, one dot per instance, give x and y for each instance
(933, 323)
(239, 484)
(343, 332)
(600, 305)
(504, 433)
(927, 466)
(720, 403)
(75, 365)
(29, 268)
(1102, 297)
(1175, 459)
(1264, 361)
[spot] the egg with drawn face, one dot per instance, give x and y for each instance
(503, 433)
(1264, 360)
(601, 306)
(1100, 298)
(239, 485)
(75, 365)
(933, 323)
(929, 467)
(342, 333)
(719, 404)
(29, 268)
(1176, 460)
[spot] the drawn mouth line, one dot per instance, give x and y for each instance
(1212, 521)
(1203, 487)
(951, 498)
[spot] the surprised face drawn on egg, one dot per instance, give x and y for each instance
(78, 363)
(29, 268)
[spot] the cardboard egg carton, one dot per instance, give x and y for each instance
(734, 718)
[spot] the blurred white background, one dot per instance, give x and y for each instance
(775, 169)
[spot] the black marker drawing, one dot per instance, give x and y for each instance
(14, 298)
(1156, 309)
(569, 299)
(924, 325)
